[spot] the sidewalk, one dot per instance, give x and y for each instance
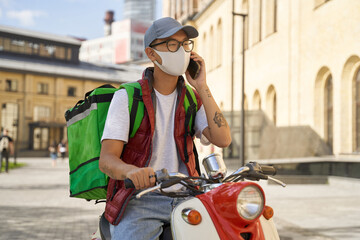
(35, 204)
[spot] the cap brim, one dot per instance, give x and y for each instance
(190, 31)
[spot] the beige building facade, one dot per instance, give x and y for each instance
(302, 64)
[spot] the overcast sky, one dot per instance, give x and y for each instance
(79, 18)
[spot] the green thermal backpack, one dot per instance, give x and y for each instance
(85, 126)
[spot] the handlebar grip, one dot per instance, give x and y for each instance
(128, 183)
(268, 170)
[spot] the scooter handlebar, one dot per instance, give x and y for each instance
(128, 183)
(268, 170)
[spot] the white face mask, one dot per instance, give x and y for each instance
(174, 63)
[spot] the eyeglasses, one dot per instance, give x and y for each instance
(174, 45)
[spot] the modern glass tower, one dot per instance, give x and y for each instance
(140, 9)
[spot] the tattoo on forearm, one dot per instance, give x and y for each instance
(208, 93)
(219, 119)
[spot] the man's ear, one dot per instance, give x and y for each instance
(150, 53)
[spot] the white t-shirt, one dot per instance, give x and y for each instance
(164, 152)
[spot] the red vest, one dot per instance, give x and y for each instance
(138, 149)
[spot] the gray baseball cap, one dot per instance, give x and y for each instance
(165, 27)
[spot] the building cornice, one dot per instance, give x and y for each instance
(39, 35)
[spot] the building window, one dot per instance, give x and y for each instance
(41, 138)
(9, 117)
(329, 111)
(11, 85)
(270, 17)
(71, 92)
(60, 53)
(218, 58)
(274, 108)
(271, 104)
(68, 54)
(204, 47)
(41, 113)
(255, 19)
(5, 44)
(212, 49)
(47, 50)
(245, 9)
(43, 88)
(17, 46)
(257, 100)
(183, 6)
(246, 104)
(357, 112)
(34, 47)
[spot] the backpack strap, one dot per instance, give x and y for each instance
(190, 104)
(136, 105)
(191, 107)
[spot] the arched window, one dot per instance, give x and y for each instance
(271, 103)
(257, 100)
(211, 49)
(218, 57)
(328, 107)
(357, 111)
(246, 105)
(274, 108)
(204, 48)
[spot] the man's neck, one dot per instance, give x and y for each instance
(163, 82)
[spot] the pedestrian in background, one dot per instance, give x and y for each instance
(6, 148)
(53, 153)
(62, 149)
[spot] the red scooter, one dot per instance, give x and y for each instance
(225, 208)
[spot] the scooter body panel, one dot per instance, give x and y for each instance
(269, 229)
(182, 230)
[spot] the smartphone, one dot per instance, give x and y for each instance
(193, 68)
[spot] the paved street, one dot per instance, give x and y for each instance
(316, 211)
(34, 204)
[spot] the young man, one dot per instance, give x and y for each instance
(159, 141)
(6, 148)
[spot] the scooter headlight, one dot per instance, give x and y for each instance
(250, 202)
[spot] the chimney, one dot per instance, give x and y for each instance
(109, 19)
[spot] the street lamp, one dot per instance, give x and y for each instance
(16, 124)
(242, 152)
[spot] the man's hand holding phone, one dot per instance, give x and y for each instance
(196, 73)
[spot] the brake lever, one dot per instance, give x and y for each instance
(277, 181)
(139, 195)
